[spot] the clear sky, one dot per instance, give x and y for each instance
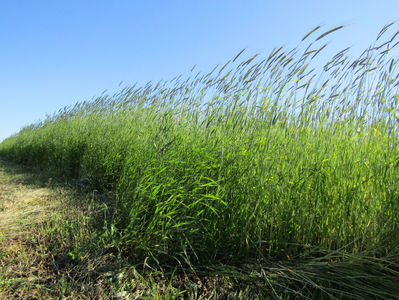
(55, 53)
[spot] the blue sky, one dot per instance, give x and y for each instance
(55, 53)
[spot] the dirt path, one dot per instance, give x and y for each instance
(25, 267)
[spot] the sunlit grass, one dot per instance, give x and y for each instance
(256, 160)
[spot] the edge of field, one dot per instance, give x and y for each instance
(57, 241)
(53, 245)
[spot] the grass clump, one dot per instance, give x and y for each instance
(256, 161)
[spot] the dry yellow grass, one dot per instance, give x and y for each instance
(25, 271)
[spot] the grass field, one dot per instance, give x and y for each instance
(281, 172)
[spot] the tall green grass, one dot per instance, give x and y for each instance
(278, 157)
